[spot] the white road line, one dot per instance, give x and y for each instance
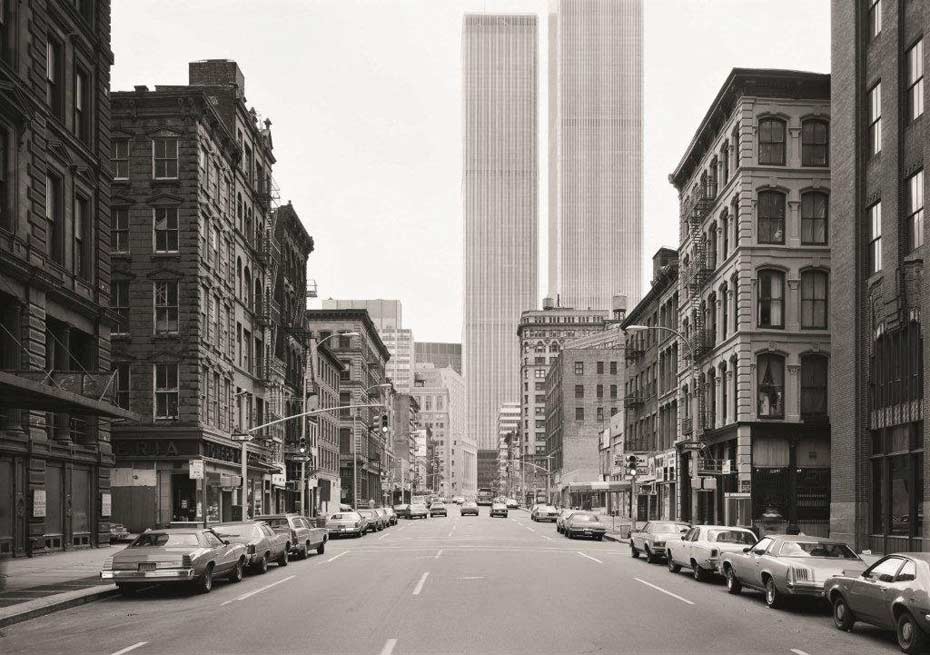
(472, 577)
(129, 648)
(589, 557)
(798, 651)
(345, 552)
(258, 591)
(649, 584)
(383, 536)
(389, 647)
(419, 587)
(548, 537)
(438, 553)
(530, 529)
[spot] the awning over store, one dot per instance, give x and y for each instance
(61, 391)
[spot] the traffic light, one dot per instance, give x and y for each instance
(632, 463)
(384, 422)
(302, 445)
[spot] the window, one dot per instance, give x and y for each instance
(53, 213)
(915, 80)
(120, 242)
(119, 159)
(813, 385)
(166, 229)
(613, 368)
(814, 290)
(540, 374)
(815, 143)
(579, 413)
(875, 237)
(119, 303)
(53, 82)
(165, 158)
(875, 17)
(771, 386)
(600, 414)
(166, 306)
(613, 391)
(875, 119)
(771, 217)
(814, 216)
(772, 142)
(579, 368)
(122, 384)
(915, 210)
(600, 391)
(166, 391)
(579, 391)
(82, 98)
(6, 208)
(771, 299)
(82, 254)
(600, 368)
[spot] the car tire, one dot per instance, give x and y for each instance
(321, 548)
(699, 574)
(773, 597)
(283, 558)
(734, 586)
(261, 566)
(911, 637)
(672, 567)
(633, 551)
(204, 583)
(843, 617)
(650, 558)
(568, 533)
(600, 537)
(236, 574)
(305, 551)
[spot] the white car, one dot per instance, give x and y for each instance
(702, 547)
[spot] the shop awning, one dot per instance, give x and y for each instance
(61, 391)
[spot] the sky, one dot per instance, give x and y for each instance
(365, 102)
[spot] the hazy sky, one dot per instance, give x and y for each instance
(365, 99)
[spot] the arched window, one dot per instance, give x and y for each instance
(258, 295)
(554, 347)
(770, 371)
(238, 277)
(540, 347)
(814, 371)
(815, 210)
(814, 292)
(772, 142)
(771, 217)
(248, 288)
(771, 299)
(815, 142)
(239, 211)
(724, 417)
(724, 234)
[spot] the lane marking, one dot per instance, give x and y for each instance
(419, 587)
(345, 552)
(798, 651)
(383, 536)
(664, 591)
(438, 553)
(548, 537)
(472, 577)
(129, 648)
(389, 647)
(530, 529)
(258, 591)
(589, 557)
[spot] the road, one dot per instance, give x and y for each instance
(449, 585)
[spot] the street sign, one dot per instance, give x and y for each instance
(196, 469)
(106, 504)
(278, 479)
(725, 469)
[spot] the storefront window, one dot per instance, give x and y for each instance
(771, 386)
(897, 484)
(900, 495)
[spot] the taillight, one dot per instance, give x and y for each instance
(108, 564)
(713, 552)
(251, 549)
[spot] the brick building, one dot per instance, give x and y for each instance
(56, 396)
(754, 188)
(650, 393)
(440, 394)
(322, 434)
(205, 301)
(879, 148)
(404, 430)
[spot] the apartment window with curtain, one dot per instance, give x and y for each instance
(914, 204)
(54, 215)
(771, 299)
(119, 159)
(82, 104)
(815, 289)
(875, 18)
(54, 96)
(119, 303)
(772, 142)
(915, 80)
(771, 217)
(813, 386)
(771, 386)
(815, 143)
(875, 237)
(166, 391)
(165, 158)
(875, 118)
(166, 229)
(166, 306)
(83, 238)
(814, 218)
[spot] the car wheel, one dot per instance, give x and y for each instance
(650, 558)
(262, 565)
(773, 597)
(321, 548)
(699, 574)
(205, 583)
(633, 551)
(843, 618)
(911, 638)
(568, 533)
(674, 568)
(734, 586)
(236, 575)
(305, 551)
(283, 559)
(600, 537)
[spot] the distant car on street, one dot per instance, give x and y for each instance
(177, 555)
(892, 594)
(584, 524)
(262, 544)
(375, 523)
(385, 517)
(512, 503)
(701, 548)
(303, 537)
(469, 508)
(402, 510)
(498, 509)
(785, 566)
(391, 515)
(544, 513)
(438, 509)
(563, 516)
(458, 500)
(418, 511)
(653, 538)
(345, 524)
(118, 533)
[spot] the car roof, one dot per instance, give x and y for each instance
(262, 517)
(723, 527)
(179, 530)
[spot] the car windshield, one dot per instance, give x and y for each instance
(585, 518)
(367, 513)
(168, 539)
(237, 530)
(418, 507)
(817, 549)
(277, 523)
(345, 516)
(547, 508)
(668, 527)
(469, 504)
(732, 537)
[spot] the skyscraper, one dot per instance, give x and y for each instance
(595, 151)
(499, 56)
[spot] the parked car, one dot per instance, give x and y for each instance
(343, 524)
(418, 511)
(391, 515)
(702, 547)
(303, 537)
(469, 507)
(385, 517)
(544, 513)
(564, 515)
(438, 509)
(262, 544)
(402, 511)
(512, 503)
(498, 509)
(786, 566)
(178, 555)
(458, 500)
(118, 533)
(374, 521)
(585, 524)
(893, 593)
(653, 538)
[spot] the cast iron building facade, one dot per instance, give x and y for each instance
(879, 149)
(499, 55)
(595, 151)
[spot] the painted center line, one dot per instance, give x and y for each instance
(530, 529)
(345, 552)
(593, 559)
(129, 648)
(419, 587)
(438, 553)
(472, 577)
(664, 591)
(259, 590)
(383, 536)
(548, 537)
(389, 647)
(798, 651)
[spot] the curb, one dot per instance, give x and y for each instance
(41, 606)
(619, 540)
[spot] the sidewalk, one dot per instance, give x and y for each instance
(33, 586)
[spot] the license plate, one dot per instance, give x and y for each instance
(587, 532)
(342, 528)
(147, 566)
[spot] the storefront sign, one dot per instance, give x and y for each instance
(726, 467)
(38, 503)
(196, 469)
(106, 504)
(278, 479)
(154, 448)
(228, 481)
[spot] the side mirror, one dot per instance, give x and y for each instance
(226, 541)
(747, 549)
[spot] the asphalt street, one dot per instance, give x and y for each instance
(450, 585)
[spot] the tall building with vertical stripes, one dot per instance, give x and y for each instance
(595, 151)
(500, 169)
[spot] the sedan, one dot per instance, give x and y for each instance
(512, 503)
(402, 511)
(262, 544)
(303, 536)
(653, 538)
(585, 524)
(438, 509)
(458, 500)
(544, 513)
(469, 507)
(785, 566)
(175, 556)
(343, 524)
(703, 545)
(374, 521)
(563, 516)
(498, 509)
(391, 515)
(385, 517)
(418, 511)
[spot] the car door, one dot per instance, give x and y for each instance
(221, 552)
(867, 594)
(275, 543)
(642, 535)
(682, 549)
(695, 543)
(750, 571)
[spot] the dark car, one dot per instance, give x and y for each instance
(375, 522)
(893, 593)
(584, 524)
(469, 507)
(418, 511)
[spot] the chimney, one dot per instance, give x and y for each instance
(216, 72)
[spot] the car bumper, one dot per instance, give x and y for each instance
(588, 533)
(806, 589)
(504, 514)
(469, 512)
(158, 575)
(338, 532)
